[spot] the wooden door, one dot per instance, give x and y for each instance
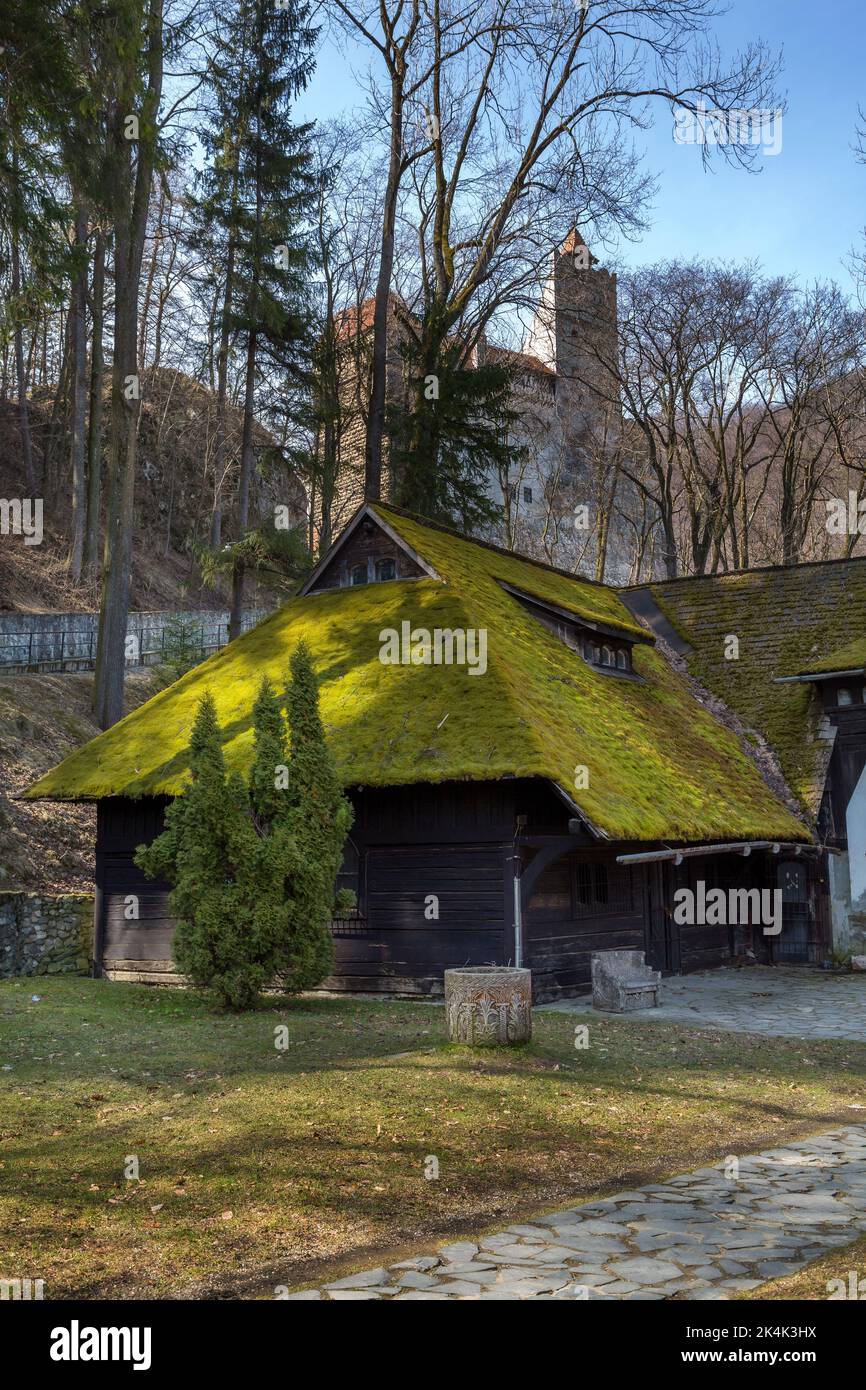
(662, 932)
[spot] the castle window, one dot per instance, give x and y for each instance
(527, 494)
(385, 569)
(358, 574)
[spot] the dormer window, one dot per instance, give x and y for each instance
(599, 646)
(844, 696)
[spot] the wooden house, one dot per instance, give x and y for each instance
(539, 764)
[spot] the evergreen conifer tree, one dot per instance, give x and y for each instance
(452, 431)
(253, 866)
(321, 817)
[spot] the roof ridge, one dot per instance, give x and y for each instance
(497, 549)
(739, 573)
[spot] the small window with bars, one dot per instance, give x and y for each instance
(602, 888)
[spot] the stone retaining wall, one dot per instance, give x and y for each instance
(41, 934)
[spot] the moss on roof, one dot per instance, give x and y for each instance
(789, 621)
(851, 657)
(660, 766)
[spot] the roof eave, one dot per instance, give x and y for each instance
(808, 676)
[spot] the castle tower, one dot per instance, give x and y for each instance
(574, 333)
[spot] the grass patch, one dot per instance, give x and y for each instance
(259, 1166)
(814, 1281)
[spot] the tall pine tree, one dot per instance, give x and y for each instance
(257, 192)
(452, 430)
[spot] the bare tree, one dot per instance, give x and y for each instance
(816, 341)
(524, 109)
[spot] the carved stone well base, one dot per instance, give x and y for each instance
(488, 1005)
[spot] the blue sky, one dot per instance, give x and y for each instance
(805, 209)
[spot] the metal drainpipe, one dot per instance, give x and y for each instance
(520, 824)
(518, 916)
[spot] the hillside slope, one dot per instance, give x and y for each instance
(173, 503)
(45, 845)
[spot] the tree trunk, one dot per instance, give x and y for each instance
(222, 391)
(94, 419)
(20, 370)
(78, 368)
(376, 415)
(130, 206)
(247, 459)
(151, 275)
(114, 607)
(57, 421)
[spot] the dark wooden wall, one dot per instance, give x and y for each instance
(449, 842)
(127, 948)
(454, 842)
(582, 903)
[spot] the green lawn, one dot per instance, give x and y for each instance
(259, 1166)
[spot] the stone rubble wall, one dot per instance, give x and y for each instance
(43, 934)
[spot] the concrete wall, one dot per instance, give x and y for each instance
(43, 640)
(44, 934)
(848, 918)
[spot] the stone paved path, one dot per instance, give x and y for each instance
(701, 1235)
(777, 1001)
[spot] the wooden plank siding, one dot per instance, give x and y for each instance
(454, 842)
(581, 903)
(126, 948)
(396, 947)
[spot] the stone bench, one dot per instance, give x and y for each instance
(623, 982)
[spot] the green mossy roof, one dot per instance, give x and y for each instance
(660, 766)
(851, 657)
(789, 621)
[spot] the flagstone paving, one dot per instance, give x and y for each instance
(701, 1235)
(777, 1001)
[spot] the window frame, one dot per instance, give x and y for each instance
(385, 560)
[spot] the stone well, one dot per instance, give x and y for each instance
(488, 1005)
